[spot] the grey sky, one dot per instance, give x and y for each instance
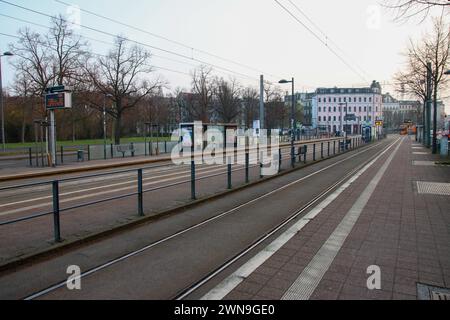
(252, 32)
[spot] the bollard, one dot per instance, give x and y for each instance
(62, 154)
(56, 220)
(140, 194)
(193, 180)
(314, 152)
(229, 173)
(30, 157)
(247, 160)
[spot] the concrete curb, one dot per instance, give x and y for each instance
(30, 175)
(60, 248)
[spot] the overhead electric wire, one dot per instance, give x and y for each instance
(328, 39)
(134, 41)
(320, 39)
(169, 40)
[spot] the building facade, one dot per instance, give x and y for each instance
(348, 109)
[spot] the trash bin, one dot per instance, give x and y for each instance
(80, 155)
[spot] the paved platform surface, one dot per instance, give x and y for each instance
(404, 233)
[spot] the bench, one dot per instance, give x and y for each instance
(124, 148)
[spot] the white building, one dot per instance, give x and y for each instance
(348, 109)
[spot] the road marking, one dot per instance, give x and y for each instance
(420, 153)
(232, 281)
(136, 252)
(309, 279)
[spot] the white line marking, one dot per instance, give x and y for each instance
(305, 285)
(232, 281)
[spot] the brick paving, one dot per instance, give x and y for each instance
(405, 233)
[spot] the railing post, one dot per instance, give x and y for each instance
(165, 146)
(30, 158)
(321, 150)
(89, 152)
(112, 151)
(247, 160)
(229, 173)
(260, 166)
(56, 220)
(314, 152)
(193, 179)
(62, 154)
(140, 194)
(334, 147)
(328, 148)
(305, 153)
(280, 159)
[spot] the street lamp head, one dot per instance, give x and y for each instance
(8, 54)
(447, 72)
(283, 81)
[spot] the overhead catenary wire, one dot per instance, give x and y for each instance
(321, 40)
(169, 40)
(134, 41)
(328, 39)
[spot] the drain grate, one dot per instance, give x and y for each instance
(433, 188)
(427, 292)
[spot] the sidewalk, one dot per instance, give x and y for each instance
(403, 232)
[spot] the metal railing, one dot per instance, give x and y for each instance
(331, 148)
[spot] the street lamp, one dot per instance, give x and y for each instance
(447, 72)
(292, 120)
(5, 54)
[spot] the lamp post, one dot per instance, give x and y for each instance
(5, 54)
(292, 119)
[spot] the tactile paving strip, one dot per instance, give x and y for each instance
(433, 188)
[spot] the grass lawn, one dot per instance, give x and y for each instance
(85, 142)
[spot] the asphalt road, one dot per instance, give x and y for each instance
(164, 269)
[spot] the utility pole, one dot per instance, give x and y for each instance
(261, 103)
(428, 117)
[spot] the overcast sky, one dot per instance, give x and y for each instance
(257, 33)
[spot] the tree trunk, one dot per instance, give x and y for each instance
(117, 128)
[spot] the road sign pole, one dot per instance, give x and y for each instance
(52, 137)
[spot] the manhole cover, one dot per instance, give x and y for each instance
(438, 188)
(427, 292)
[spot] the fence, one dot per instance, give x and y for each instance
(248, 163)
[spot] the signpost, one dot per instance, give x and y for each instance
(58, 97)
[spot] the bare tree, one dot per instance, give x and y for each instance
(406, 9)
(23, 89)
(250, 101)
(228, 104)
(119, 75)
(201, 102)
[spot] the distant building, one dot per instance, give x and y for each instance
(348, 109)
(306, 101)
(396, 112)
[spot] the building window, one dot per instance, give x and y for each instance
(334, 109)
(360, 109)
(365, 99)
(370, 109)
(320, 109)
(334, 118)
(320, 99)
(340, 99)
(329, 109)
(320, 118)
(355, 109)
(370, 99)
(334, 99)
(360, 99)
(365, 118)
(329, 99)
(345, 99)
(329, 118)
(365, 109)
